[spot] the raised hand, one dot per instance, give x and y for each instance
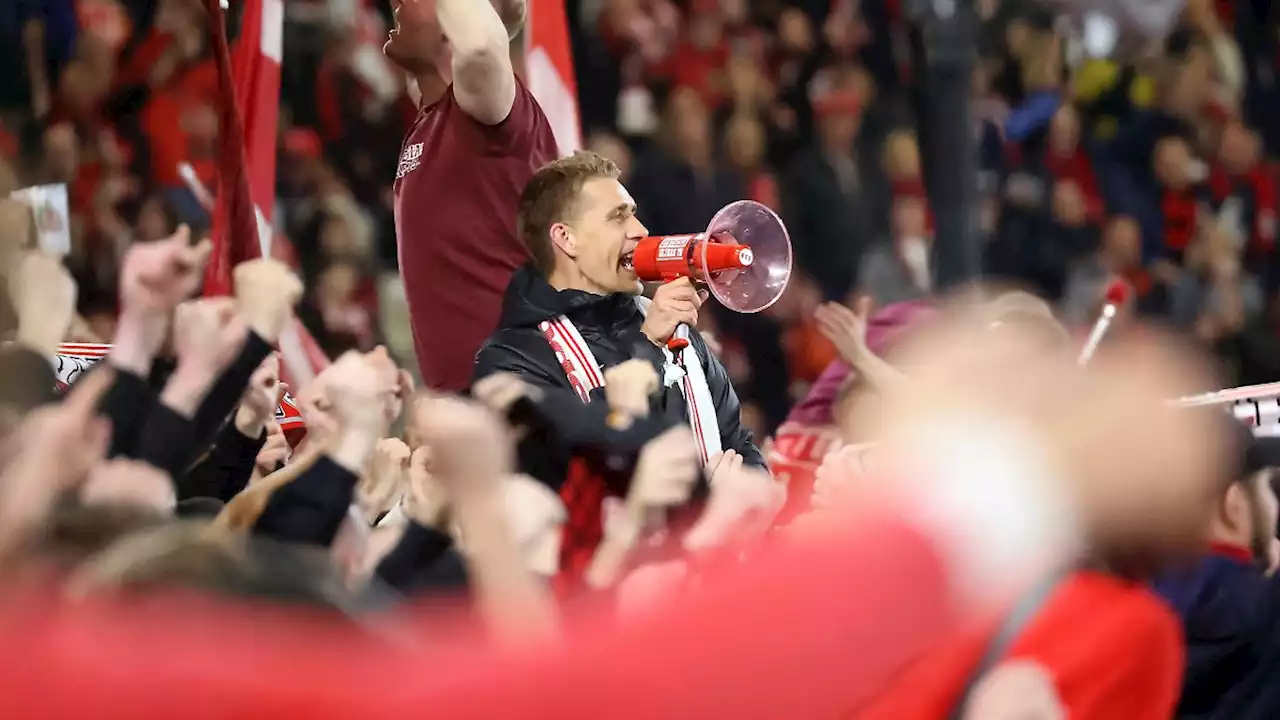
(470, 446)
(156, 276)
(261, 398)
(54, 449)
(275, 452)
(665, 471)
(673, 303)
(501, 390)
(744, 502)
(627, 387)
(266, 292)
(425, 500)
(43, 295)
(379, 488)
(845, 328)
(129, 482)
(208, 335)
(359, 388)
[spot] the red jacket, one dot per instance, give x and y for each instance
(1114, 650)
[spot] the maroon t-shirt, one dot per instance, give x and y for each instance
(457, 190)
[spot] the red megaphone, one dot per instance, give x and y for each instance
(744, 258)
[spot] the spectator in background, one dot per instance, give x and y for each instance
(682, 182)
(899, 268)
(1118, 258)
(833, 197)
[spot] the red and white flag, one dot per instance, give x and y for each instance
(247, 161)
(550, 71)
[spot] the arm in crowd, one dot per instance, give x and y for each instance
(1032, 115)
(226, 469)
(484, 82)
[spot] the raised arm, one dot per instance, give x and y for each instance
(483, 80)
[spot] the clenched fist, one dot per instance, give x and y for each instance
(266, 291)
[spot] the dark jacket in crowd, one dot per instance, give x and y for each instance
(610, 325)
(1231, 618)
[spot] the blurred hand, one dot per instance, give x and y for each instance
(155, 277)
(274, 453)
(43, 295)
(261, 398)
(266, 292)
(129, 482)
(837, 476)
(208, 334)
(846, 329)
(316, 408)
(628, 386)
(425, 501)
(665, 471)
(744, 501)
(501, 390)
(52, 451)
(723, 464)
(470, 447)
(379, 488)
(359, 388)
(1016, 690)
(673, 303)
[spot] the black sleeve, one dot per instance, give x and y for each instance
(423, 559)
(226, 391)
(310, 509)
(165, 440)
(225, 469)
(127, 404)
(733, 435)
(535, 364)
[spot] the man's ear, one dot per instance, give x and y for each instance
(562, 237)
(1234, 510)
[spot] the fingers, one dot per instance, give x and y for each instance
(85, 395)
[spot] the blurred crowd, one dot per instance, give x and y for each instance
(1156, 170)
(164, 466)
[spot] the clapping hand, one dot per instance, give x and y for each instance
(846, 329)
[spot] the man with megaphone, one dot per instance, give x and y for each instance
(577, 308)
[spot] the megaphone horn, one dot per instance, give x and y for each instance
(744, 257)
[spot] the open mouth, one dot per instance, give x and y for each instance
(627, 261)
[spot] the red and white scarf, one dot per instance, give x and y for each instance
(585, 375)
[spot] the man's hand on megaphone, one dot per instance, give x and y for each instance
(674, 303)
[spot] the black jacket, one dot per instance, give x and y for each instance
(611, 327)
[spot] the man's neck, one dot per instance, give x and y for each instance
(431, 87)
